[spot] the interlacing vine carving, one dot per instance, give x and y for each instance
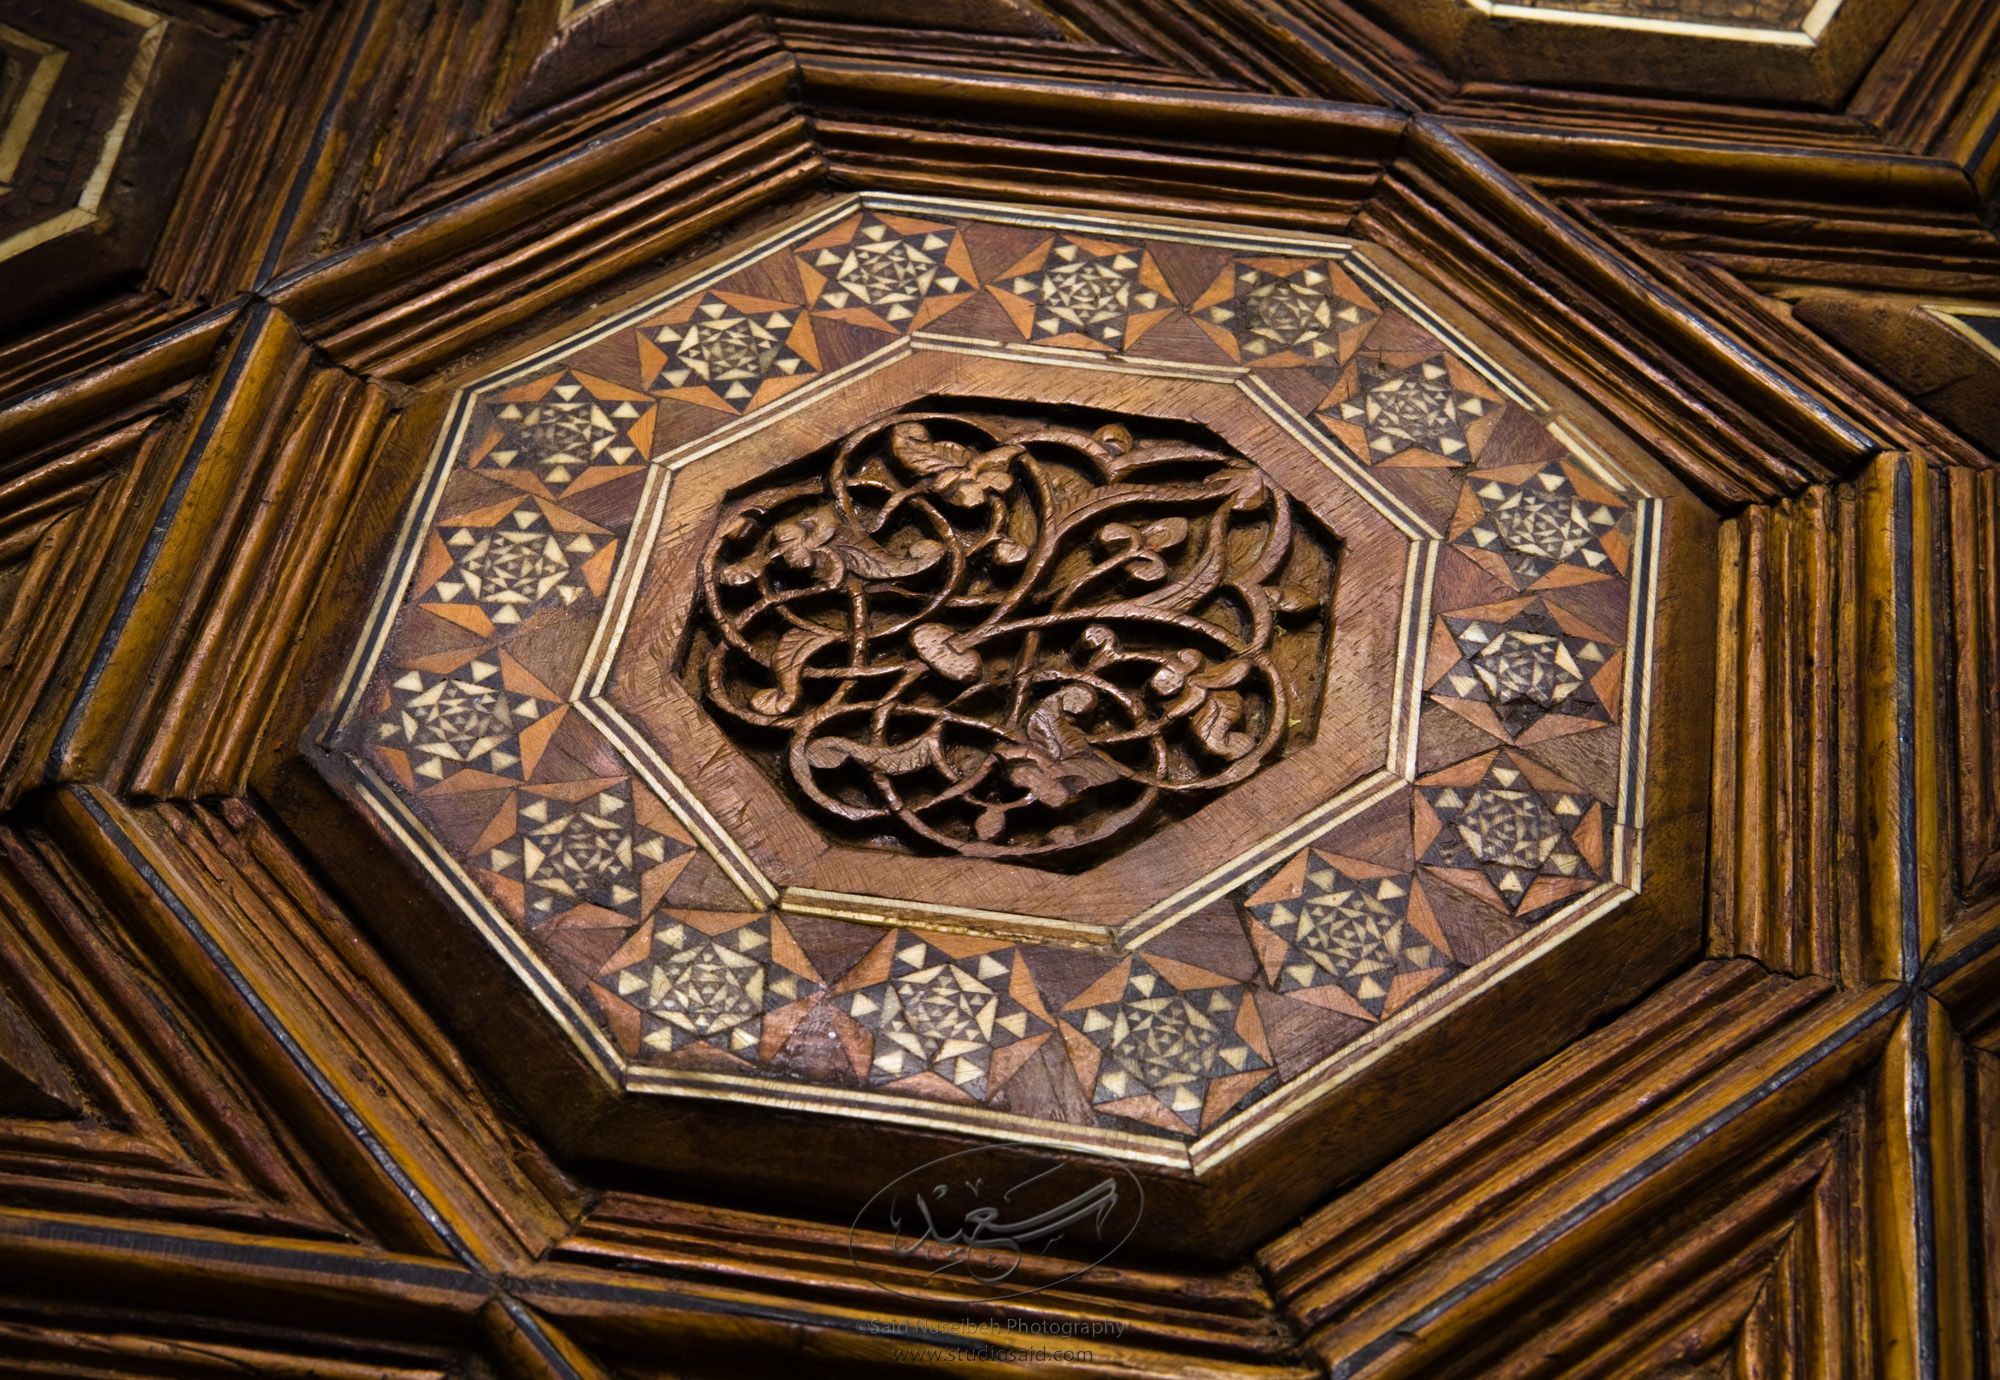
(1013, 638)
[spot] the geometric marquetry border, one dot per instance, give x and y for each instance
(1420, 908)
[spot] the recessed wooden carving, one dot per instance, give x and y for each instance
(392, 932)
(1012, 636)
(966, 638)
(102, 104)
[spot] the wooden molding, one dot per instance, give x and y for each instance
(1816, 762)
(266, 1103)
(1969, 623)
(1773, 1088)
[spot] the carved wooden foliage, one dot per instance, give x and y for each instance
(1014, 639)
(234, 1137)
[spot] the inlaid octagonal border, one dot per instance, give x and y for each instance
(1497, 827)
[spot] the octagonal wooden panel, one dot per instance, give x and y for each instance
(517, 716)
(1787, 50)
(414, 963)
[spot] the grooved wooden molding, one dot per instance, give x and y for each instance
(1004, 687)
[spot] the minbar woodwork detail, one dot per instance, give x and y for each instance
(1012, 637)
(616, 631)
(928, 610)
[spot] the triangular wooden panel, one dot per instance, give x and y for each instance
(141, 1116)
(33, 1082)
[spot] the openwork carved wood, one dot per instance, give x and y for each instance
(1014, 638)
(1355, 639)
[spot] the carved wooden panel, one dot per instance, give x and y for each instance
(1016, 673)
(1089, 687)
(1051, 637)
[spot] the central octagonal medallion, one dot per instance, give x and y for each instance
(905, 653)
(1097, 683)
(1008, 634)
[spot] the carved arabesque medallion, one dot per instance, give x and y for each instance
(1011, 635)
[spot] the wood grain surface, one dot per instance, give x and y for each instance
(271, 1103)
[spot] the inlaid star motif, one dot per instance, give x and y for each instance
(1516, 840)
(1271, 313)
(705, 990)
(730, 350)
(885, 271)
(1412, 408)
(1317, 925)
(582, 852)
(510, 568)
(1077, 291)
(1538, 524)
(563, 432)
(1169, 1043)
(707, 979)
(944, 1015)
(467, 719)
(1524, 665)
(1172, 1052)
